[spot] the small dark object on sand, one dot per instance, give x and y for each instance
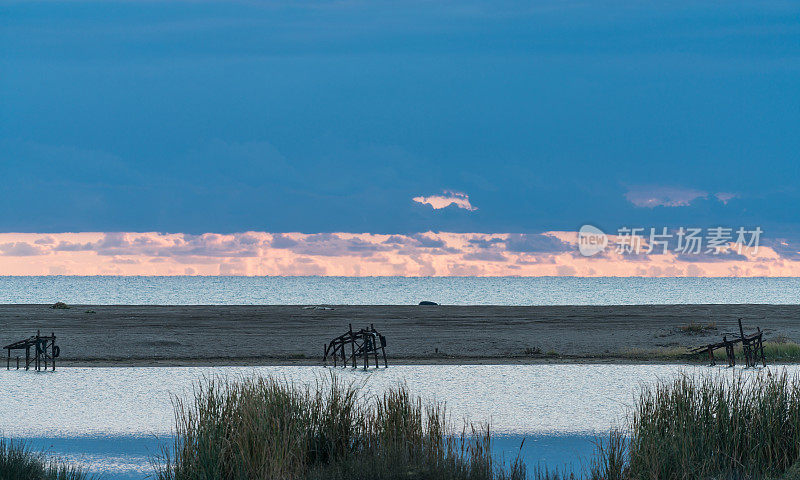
(60, 306)
(426, 302)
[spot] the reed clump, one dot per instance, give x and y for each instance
(697, 328)
(747, 427)
(776, 351)
(263, 428)
(18, 461)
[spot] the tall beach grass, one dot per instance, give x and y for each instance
(778, 351)
(263, 428)
(744, 427)
(19, 462)
(775, 351)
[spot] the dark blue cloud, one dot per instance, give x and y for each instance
(536, 244)
(785, 248)
(323, 117)
(20, 249)
(282, 241)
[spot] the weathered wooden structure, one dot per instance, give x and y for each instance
(352, 346)
(45, 352)
(752, 348)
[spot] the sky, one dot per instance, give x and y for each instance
(458, 122)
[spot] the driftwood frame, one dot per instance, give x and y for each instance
(352, 346)
(752, 347)
(45, 352)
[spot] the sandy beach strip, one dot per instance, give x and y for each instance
(127, 335)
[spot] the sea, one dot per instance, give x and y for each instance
(111, 290)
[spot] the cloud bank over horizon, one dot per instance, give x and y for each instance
(363, 254)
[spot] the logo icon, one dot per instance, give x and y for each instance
(591, 240)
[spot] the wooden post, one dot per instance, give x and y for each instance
(40, 346)
(375, 348)
(17, 363)
(8, 360)
(53, 349)
(727, 351)
(730, 352)
(373, 339)
(745, 348)
(365, 349)
(27, 357)
(352, 346)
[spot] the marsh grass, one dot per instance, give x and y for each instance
(734, 427)
(663, 353)
(780, 351)
(18, 461)
(263, 428)
(747, 427)
(744, 427)
(775, 351)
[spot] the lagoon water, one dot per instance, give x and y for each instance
(114, 419)
(397, 290)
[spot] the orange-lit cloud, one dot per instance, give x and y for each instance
(365, 254)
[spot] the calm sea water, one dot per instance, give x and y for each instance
(115, 419)
(396, 290)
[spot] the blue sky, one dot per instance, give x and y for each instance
(332, 116)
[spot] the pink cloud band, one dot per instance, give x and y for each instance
(356, 254)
